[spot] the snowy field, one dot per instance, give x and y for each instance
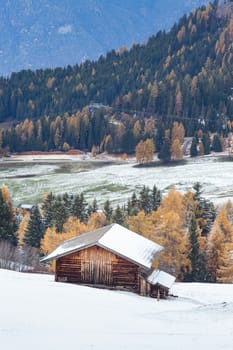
(38, 313)
(28, 181)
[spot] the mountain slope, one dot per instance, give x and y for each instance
(49, 33)
(60, 315)
(183, 75)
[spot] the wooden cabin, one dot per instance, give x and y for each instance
(111, 257)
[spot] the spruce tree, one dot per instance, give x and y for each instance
(7, 221)
(48, 210)
(193, 149)
(67, 201)
(165, 152)
(118, 216)
(108, 211)
(205, 212)
(35, 229)
(194, 249)
(60, 214)
(145, 200)
(156, 198)
(217, 145)
(92, 208)
(206, 143)
(79, 208)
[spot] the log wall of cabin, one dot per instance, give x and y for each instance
(97, 266)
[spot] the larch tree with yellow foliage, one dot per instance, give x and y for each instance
(219, 257)
(145, 151)
(168, 228)
(176, 150)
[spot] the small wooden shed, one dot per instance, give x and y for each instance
(111, 257)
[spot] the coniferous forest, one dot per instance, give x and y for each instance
(197, 239)
(183, 75)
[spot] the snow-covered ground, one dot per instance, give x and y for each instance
(38, 313)
(27, 181)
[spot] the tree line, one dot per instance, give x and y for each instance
(197, 237)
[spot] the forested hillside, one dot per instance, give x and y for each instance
(183, 75)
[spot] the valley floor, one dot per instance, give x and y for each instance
(38, 313)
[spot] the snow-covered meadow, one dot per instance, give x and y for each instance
(38, 313)
(28, 181)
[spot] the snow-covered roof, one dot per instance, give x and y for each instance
(26, 206)
(116, 239)
(162, 278)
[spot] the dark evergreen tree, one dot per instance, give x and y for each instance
(92, 208)
(217, 145)
(206, 143)
(156, 198)
(165, 152)
(35, 229)
(194, 250)
(159, 137)
(205, 212)
(7, 221)
(108, 211)
(79, 208)
(60, 214)
(48, 210)
(145, 200)
(118, 216)
(193, 149)
(68, 202)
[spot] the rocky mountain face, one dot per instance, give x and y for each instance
(50, 33)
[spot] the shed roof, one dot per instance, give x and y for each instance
(116, 239)
(162, 278)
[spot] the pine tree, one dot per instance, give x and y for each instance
(206, 143)
(48, 210)
(165, 152)
(156, 198)
(194, 250)
(108, 211)
(7, 221)
(92, 208)
(35, 229)
(217, 145)
(145, 200)
(193, 149)
(60, 214)
(79, 207)
(205, 212)
(118, 216)
(67, 201)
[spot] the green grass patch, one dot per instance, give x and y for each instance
(108, 188)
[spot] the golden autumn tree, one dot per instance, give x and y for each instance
(176, 150)
(96, 220)
(220, 246)
(178, 132)
(52, 239)
(22, 227)
(145, 151)
(224, 224)
(139, 223)
(168, 228)
(219, 256)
